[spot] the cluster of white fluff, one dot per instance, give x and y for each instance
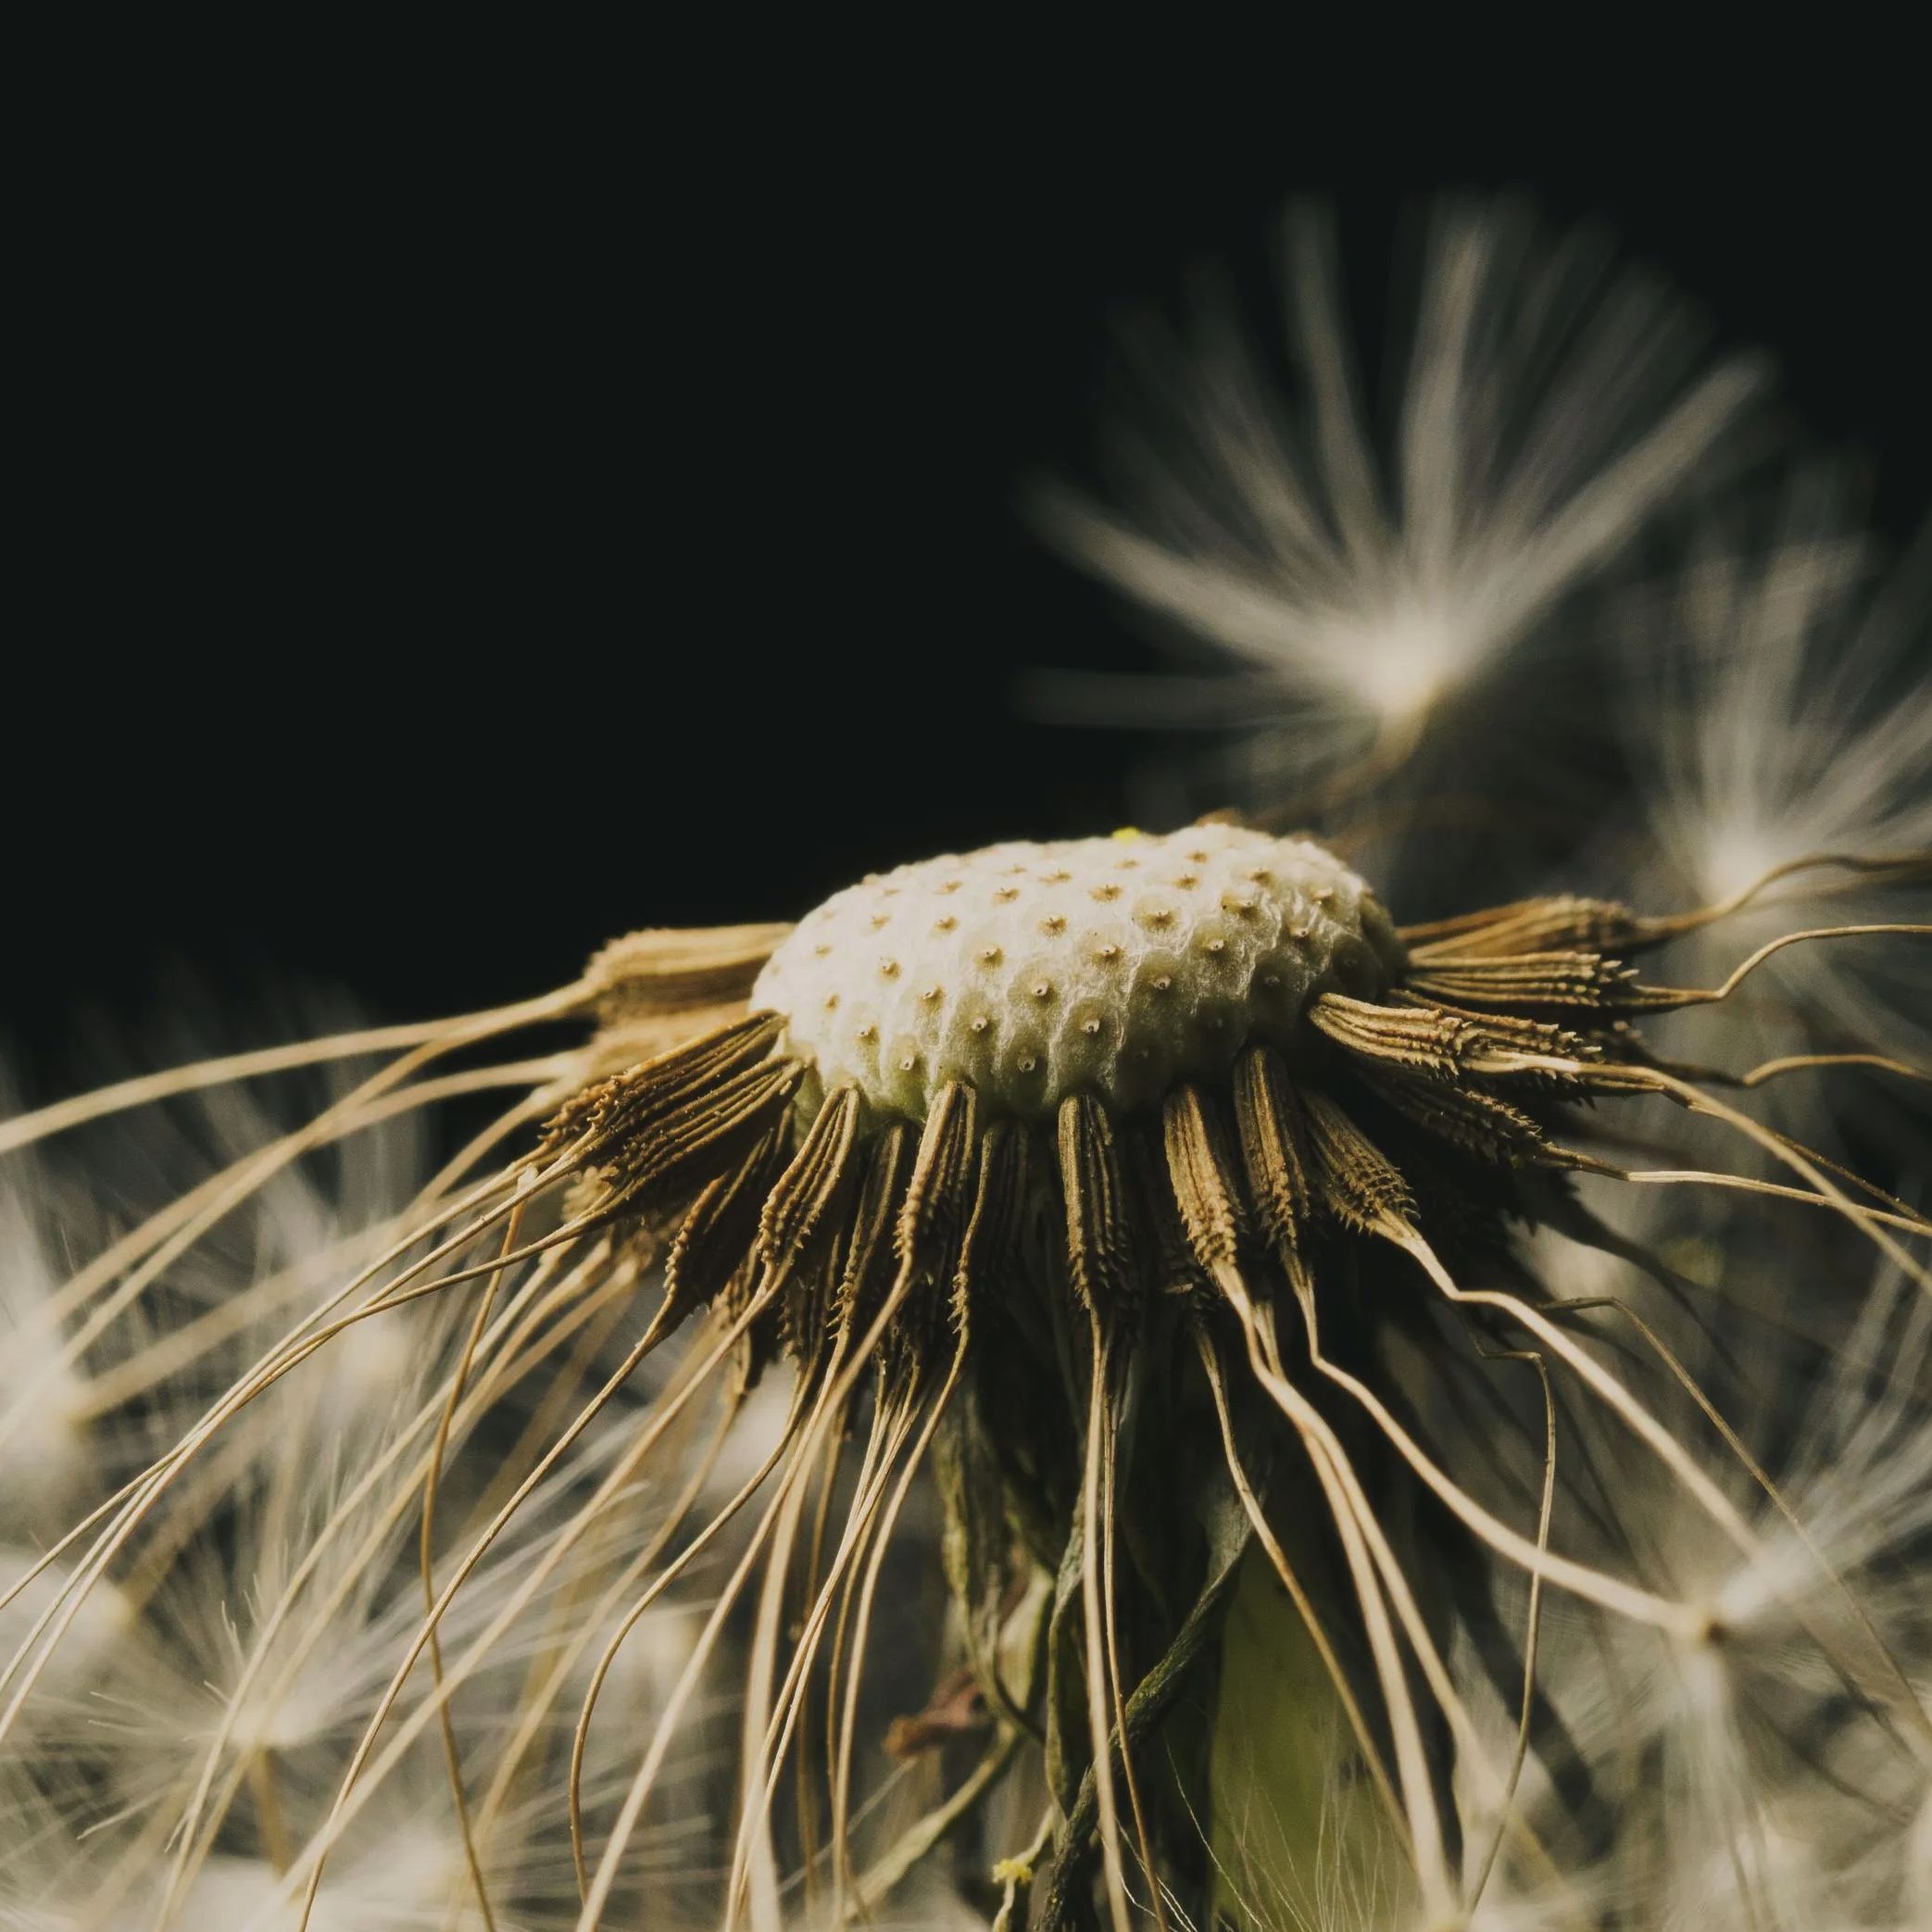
(1752, 1786)
(229, 1669)
(1778, 705)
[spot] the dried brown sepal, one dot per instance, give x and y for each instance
(957, 1709)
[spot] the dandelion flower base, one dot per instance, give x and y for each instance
(1118, 966)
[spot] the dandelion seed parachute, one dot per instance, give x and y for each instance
(1781, 709)
(1372, 631)
(1154, 1192)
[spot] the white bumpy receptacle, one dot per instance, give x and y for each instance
(1117, 966)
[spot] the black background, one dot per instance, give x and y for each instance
(460, 526)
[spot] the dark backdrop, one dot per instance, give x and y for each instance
(459, 531)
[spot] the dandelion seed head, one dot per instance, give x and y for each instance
(1034, 971)
(1204, 1274)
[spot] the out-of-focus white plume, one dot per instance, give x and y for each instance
(1778, 707)
(1775, 1771)
(1355, 603)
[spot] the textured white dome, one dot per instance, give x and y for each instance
(1117, 966)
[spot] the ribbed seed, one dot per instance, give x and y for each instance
(1274, 1138)
(1098, 1252)
(1479, 1122)
(1560, 923)
(1575, 979)
(937, 1196)
(1359, 1185)
(1201, 1179)
(628, 1103)
(993, 1227)
(807, 1189)
(862, 1257)
(720, 1229)
(1419, 1036)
